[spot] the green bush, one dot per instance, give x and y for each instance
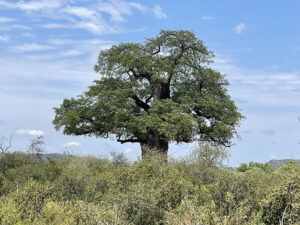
(282, 204)
(194, 190)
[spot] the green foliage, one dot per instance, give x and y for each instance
(14, 160)
(264, 166)
(118, 158)
(153, 93)
(282, 204)
(195, 190)
(204, 164)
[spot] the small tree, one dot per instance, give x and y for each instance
(36, 146)
(5, 144)
(154, 93)
(118, 158)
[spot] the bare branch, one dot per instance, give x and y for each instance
(4, 148)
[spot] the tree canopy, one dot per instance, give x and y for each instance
(154, 93)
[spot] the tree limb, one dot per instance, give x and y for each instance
(132, 140)
(149, 98)
(140, 103)
(5, 148)
(182, 50)
(157, 51)
(145, 75)
(226, 145)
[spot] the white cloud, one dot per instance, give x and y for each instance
(208, 18)
(31, 5)
(6, 20)
(28, 35)
(94, 27)
(116, 9)
(158, 12)
(81, 42)
(39, 67)
(72, 52)
(273, 157)
(4, 38)
(55, 25)
(72, 144)
(31, 47)
(138, 6)
(262, 88)
(14, 26)
(97, 27)
(128, 150)
(240, 28)
(80, 12)
(30, 132)
(90, 16)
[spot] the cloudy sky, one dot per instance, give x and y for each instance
(49, 48)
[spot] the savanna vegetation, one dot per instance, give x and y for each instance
(196, 189)
(159, 92)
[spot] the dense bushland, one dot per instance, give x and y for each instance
(194, 190)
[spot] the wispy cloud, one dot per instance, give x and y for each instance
(71, 52)
(240, 28)
(208, 18)
(72, 144)
(14, 27)
(7, 20)
(263, 87)
(31, 47)
(80, 12)
(158, 12)
(128, 150)
(90, 16)
(28, 35)
(30, 132)
(4, 38)
(31, 5)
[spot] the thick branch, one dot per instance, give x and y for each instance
(200, 85)
(198, 111)
(145, 75)
(226, 145)
(140, 103)
(182, 50)
(157, 51)
(149, 98)
(132, 140)
(179, 56)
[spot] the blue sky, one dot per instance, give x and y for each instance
(48, 49)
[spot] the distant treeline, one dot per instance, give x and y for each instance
(195, 190)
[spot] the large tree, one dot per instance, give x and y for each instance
(154, 93)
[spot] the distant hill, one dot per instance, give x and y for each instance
(49, 156)
(279, 162)
(52, 155)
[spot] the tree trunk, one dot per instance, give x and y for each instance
(155, 144)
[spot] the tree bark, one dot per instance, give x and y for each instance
(155, 143)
